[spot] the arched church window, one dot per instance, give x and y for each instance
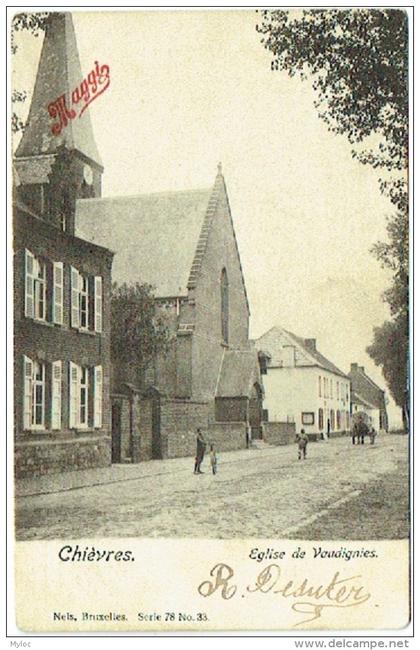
(224, 291)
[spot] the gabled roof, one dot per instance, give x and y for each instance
(159, 239)
(59, 72)
(154, 236)
(239, 373)
(319, 358)
(273, 341)
(357, 399)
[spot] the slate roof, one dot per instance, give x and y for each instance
(154, 236)
(59, 72)
(272, 342)
(240, 371)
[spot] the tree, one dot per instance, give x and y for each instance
(138, 332)
(35, 23)
(388, 350)
(358, 62)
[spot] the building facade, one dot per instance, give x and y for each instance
(61, 283)
(301, 385)
(184, 245)
(367, 397)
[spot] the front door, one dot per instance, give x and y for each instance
(116, 433)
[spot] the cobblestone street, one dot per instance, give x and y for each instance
(256, 493)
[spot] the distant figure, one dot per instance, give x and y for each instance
(213, 459)
(199, 455)
(373, 434)
(302, 440)
(355, 433)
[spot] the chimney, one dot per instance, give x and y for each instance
(311, 344)
(354, 367)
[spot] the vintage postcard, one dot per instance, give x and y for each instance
(211, 271)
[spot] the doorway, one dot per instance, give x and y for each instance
(116, 434)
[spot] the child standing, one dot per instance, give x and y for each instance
(213, 459)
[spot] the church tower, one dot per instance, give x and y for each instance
(57, 160)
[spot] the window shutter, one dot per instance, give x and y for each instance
(56, 395)
(27, 392)
(29, 284)
(97, 397)
(74, 394)
(98, 303)
(75, 284)
(58, 280)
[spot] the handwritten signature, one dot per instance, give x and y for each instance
(96, 82)
(308, 599)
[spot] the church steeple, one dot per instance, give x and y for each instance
(57, 158)
(59, 73)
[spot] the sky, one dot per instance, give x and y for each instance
(192, 88)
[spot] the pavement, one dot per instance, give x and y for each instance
(77, 479)
(256, 493)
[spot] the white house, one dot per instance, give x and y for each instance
(301, 385)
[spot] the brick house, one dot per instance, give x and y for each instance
(62, 283)
(368, 397)
(184, 245)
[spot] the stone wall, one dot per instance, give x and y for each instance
(54, 456)
(219, 251)
(228, 436)
(144, 425)
(229, 409)
(179, 421)
(279, 433)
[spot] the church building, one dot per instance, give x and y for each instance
(182, 243)
(62, 283)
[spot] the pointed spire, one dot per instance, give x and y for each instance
(219, 169)
(59, 72)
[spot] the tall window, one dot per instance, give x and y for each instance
(319, 386)
(332, 420)
(39, 290)
(84, 302)
(84, 394)
(86, 291)
(338, 420)
(320, 419)
(224, 302)
(35, 287)
(34, 394)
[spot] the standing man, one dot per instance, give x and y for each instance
(302, 440)
(201, 449)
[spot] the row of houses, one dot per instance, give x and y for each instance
(74, 408)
